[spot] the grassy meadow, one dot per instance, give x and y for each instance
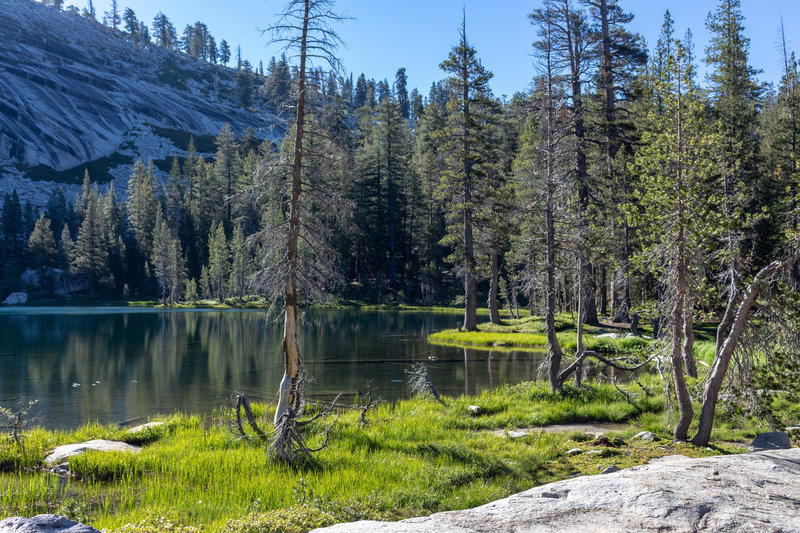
(411, 458)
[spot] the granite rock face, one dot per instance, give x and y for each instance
(73, 91)
(43, 523)
(736, 493)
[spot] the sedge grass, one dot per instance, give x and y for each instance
(412, 457)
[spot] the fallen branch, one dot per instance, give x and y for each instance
(242, 403)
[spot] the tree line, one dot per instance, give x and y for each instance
(561, 193)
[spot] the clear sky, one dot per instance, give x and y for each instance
(418, 34)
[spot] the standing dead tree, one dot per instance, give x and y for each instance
(301, 204)
(729, 337)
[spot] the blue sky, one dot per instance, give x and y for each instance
(418, 34)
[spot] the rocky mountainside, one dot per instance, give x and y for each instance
(74, 92)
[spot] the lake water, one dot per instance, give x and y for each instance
(124, 364)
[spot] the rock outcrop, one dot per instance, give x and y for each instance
(43, 523)
(16, 298)
(69, 450)
(755, 492)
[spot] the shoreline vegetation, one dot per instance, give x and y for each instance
(410, 458)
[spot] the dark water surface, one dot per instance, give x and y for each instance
(125, 364)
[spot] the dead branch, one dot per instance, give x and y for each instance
(419, 381)
(242, 403)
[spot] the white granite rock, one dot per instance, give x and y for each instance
(734, 493)
(43, 523)
(70, 450)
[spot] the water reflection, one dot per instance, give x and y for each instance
(121, 365)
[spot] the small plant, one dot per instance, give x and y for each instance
(18, 420)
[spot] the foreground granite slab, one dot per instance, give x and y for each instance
(754, 492)
(43, 523)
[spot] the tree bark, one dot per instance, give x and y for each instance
(688, 339)
(494, 281)
(470, 291)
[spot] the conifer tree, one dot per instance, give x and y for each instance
(113, 15)
(167, 260)
(736, 96)
(467, 142)
(227, 166)
(224, 52)
(90, 252)
(41, 248)
(239, 263)
(165, 32)
(131, 22)
(675, 209)
(141, 206)
(305, 30)
(218, 261)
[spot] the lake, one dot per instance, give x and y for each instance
(125, 364)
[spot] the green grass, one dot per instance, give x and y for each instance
(414, 457)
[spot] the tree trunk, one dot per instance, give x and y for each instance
(494, 281)
(688, 339)
(288, 392)
(470, 291)
(685, 410)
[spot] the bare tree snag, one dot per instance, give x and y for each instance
(735, 328)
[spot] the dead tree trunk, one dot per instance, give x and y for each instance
(735, 329)
(289, 397)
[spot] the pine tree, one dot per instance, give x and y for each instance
(167, 260)
(224, 52)
(401, 93)
(12, 226)
(360, 98)
(239, 264)
(41, 248)
(675, 209)
(164, 31)
(141, 206)
(131, 22)
(467, 140)
(90, 253)
(227, 166)
(113, 15)
(218, 261)
(736, 96)
(89, 12)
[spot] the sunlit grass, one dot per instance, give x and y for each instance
(412, 457)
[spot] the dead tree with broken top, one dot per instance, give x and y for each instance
(302, 208)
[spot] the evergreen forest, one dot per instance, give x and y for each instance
(583, 190)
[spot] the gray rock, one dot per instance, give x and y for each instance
(16, 298)
(774, 440)
(646, 436)
(69, 450)
(517, 434)
(595, 452)
(574, 451)
(44, 523)
(611, 469)
(733, 493)
(142, 427)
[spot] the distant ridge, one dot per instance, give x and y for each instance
(73, 92)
